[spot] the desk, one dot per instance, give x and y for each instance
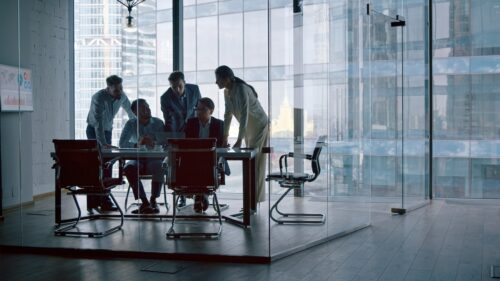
(246, 155)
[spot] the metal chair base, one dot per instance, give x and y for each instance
(67, 229)
(294, 218)
(172, 234)
(223, 206)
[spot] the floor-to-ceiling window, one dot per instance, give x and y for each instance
(466, 131)
(140, 54)
(324, 68)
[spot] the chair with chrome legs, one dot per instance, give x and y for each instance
(79, 169)
(293, 180)
(193, 170)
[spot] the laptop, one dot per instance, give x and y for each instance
(162, 138)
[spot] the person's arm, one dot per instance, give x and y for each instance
(127, 107)
(193, 94)
(97, 111)
(127, 133)
(244, 108)
(228, 115)
(165, 108)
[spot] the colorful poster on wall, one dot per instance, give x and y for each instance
(16, 90)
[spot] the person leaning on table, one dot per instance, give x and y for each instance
(103, 108)
(138, 132)
(242, 102)
(177, 105)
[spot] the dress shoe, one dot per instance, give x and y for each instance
(154, 206)
(108, 208)
(204, 202)
(198, 205)
(144, 209)
(182, 202)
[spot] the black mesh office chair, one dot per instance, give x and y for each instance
(292, 180)
(193, 170)
(79, 169)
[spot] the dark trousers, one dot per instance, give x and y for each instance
(152, 167)
(94, 201)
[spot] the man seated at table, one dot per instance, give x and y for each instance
(138, 132)
(204, 126)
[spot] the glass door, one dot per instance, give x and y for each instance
(395, 115)
(382, 132)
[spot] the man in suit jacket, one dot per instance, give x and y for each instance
(205, 126)
(178, 102)
(177, 105)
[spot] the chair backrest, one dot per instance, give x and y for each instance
(316, 168)
(193, 163)
(79, 163)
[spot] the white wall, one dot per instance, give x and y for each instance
(43, 48)
(50, 60)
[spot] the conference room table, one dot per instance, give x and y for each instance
(245, 155)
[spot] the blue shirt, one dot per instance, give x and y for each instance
(103, 109)
(129, 136)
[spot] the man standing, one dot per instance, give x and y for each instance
(103, 108)
(205, 126)
(143, 130)
(177, 105)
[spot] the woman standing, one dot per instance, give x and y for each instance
(242, 102)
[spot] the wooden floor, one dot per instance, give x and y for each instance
(33, 226)
(446, 240)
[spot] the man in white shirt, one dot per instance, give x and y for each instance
(103, 108)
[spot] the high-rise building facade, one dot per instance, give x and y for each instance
(332, 68)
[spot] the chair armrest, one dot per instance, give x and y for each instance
(111, 162)
(164, 162)
(297, 155)
(221, 170)
(220, 164)
(283, 157)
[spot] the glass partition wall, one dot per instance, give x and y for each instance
(323, 70)
(315, 95)
(397, 95)
(318, 71)
(12, 123)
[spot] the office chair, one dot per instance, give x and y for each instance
(79, 169)
(291, 181)
(193, 170)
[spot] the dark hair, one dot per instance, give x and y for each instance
(113, 80)
(176, 75)
(135, 104)
(209, 103)
(225, 71)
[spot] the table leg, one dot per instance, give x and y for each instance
(253, 187)
(57, 199)
(247, 191)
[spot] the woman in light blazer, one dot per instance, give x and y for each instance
(242, 102)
